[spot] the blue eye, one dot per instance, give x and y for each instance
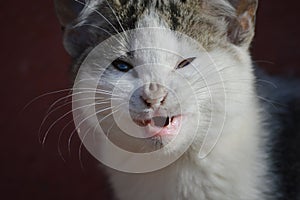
(122, 66)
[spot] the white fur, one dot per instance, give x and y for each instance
(235, 168)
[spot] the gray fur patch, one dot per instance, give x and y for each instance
(203, 20)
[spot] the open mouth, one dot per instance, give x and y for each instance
(161, 125)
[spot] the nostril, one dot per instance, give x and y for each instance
(145, 101)
(164, 99)
(150, 102)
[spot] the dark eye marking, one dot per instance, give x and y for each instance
(122, 65)
(185, 62)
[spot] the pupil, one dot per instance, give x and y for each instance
(123, 66)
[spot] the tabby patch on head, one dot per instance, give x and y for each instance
(211, 22)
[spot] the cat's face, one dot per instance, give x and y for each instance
(157, 88)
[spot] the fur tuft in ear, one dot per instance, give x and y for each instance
(241, 27)
(67, 10)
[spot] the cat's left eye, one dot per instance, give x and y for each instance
(122, 65)
(185, 62)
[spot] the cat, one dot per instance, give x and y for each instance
(196, 105)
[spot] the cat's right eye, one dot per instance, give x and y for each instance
(122, 65)
(185, 62)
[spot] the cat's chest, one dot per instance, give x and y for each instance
(190, 182)
(218, 177)
(160, 185)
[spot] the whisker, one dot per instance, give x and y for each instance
(62, 131)
(269, 82)
(57, 108)
(99, 13)
(97, 27)
(82, 140)
(228, 90)
(264, 61)
(115, 15)
(102, 29)
(72, 95)
(60, 118)
(82, 92)
(60, 135)
(43, 95)
(80, 147)
(88, 117)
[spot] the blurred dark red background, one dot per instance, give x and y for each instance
(34, 63)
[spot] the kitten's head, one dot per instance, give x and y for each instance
(170, 75)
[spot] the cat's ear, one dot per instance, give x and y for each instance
(241, 27)
(76, 38)
(67, 10)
